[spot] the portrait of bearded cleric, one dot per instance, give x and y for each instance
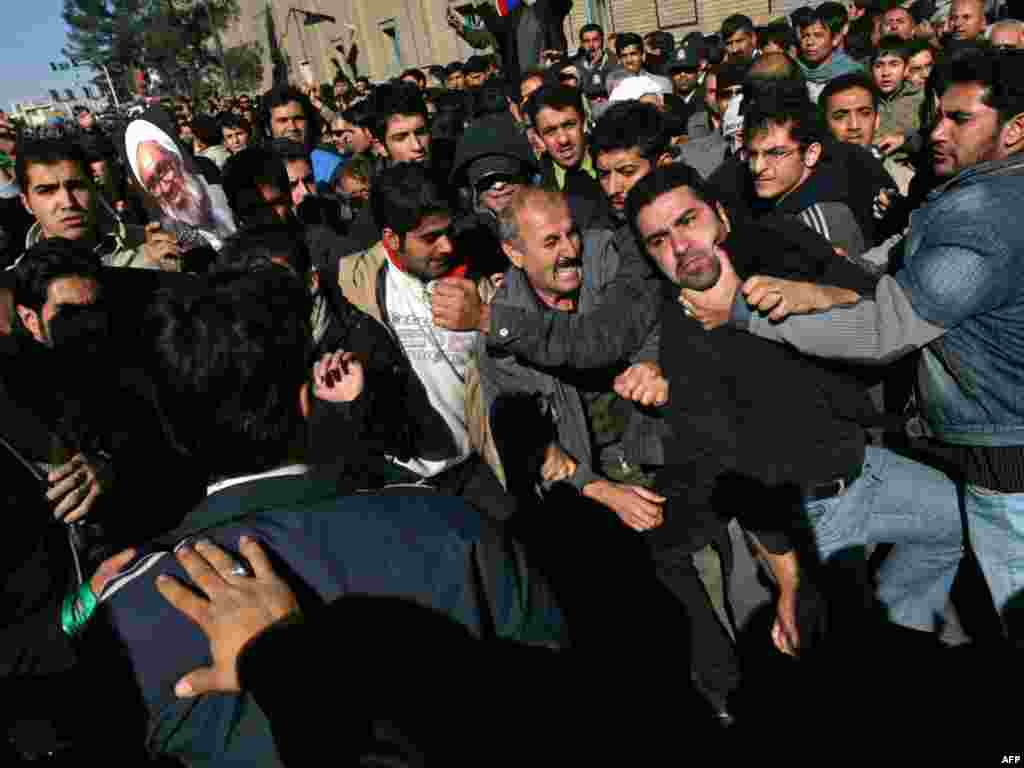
(195, 210)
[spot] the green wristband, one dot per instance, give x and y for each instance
(77, 609)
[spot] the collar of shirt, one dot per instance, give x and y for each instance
(287, 470)
(586, 167)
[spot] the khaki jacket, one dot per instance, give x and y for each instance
(358, 278)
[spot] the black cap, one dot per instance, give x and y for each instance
(686, 57)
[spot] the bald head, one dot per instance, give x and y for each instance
(967, 19)
(524, 201)
(1008, 33)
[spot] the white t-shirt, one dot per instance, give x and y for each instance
(439, 358)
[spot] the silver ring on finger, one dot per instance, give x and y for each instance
(239, 570)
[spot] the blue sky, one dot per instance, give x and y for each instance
(34, 35)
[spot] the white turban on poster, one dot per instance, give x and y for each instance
(195, 211)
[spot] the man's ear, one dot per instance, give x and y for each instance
(723, 216)
(378, 148)
(812, 155)
(665, 158)
(305, 407)
(1013, 132)
(24, 202)
(513, 253)
(30, 319)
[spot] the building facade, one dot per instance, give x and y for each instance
(393, 35)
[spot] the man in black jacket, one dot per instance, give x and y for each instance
(775, 439)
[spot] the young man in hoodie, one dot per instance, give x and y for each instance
(821, 57)
(783, 144)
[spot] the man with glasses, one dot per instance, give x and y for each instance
(782, 149)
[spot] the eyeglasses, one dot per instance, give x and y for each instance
(771, 157)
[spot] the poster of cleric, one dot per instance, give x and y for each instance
(191, 206)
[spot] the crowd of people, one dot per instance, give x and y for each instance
(666, 384)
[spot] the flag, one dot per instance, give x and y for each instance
(505, 7)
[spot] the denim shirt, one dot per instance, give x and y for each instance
(964, 270)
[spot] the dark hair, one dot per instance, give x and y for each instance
(394, 99)
(257, 248)
(835, 16)
(800, 115)
(892, 45)
(50, 259)
(363, 79)
(360, 115)
(631, 125)
(489, 99)
(858, 39)
(715, 50)
(416, 75)
(451, 69)
(626, 39)
(917, 45)
(1000, 73)
(403, 195)
(557, 97)
(244, 172)
(341, 77)
(231, 120)
(801, 17)
(591, 28)
(736, 23)
(206, 129)
(230, 363)
(732, 72)
(46, 152)
(817, 16)
(475, 65)
(781, 34)
(287, 150)
(845, 83)
(281, 95)
(661, 181)
(358, 167)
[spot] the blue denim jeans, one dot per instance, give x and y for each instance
(911, 506)
(995, 523)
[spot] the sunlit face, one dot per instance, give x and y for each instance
(899, 22)
(526, 88)
(301, 182)
(235, 139)
(288, 121)
(919, 67)
(593, 43)
(617, 172)
(475, 79)
(407, 139)
(776, 162)
(851, 117)
(427, 252)
(966, 131)
(816, 44)
(548, 249)
(561, 130)
(632, 58)
(60, 197)
(966, 19)
(350, 138)
(740, 45)
(888, 71)
(160, 172)
(680, 232)
(73, 290)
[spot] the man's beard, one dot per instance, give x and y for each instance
(193, 205)
(705, 279)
